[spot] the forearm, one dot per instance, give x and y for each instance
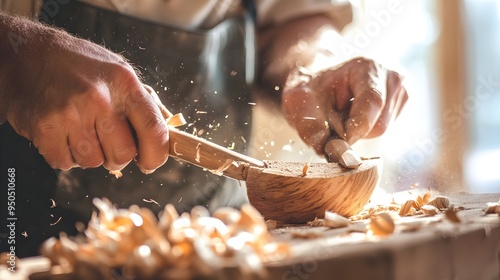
(306, 45)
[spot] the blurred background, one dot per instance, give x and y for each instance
(448, 136)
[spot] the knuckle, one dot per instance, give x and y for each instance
(365, 62)
(126, 74)
(91, 162)
(56, 160)
(124, 156)
(44, 129)
(86, 154)
(155, 125)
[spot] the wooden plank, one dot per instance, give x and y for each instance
(438, 250)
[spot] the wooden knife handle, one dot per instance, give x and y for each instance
(210, 156)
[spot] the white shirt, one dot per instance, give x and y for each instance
(204, 13)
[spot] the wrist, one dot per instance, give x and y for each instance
(299, 50)
(20, 45)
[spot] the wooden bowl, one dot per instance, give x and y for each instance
(281, 192)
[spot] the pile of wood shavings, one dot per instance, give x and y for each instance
(384, 218)
(134, 243)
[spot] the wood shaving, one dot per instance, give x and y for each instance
(56, 222)
(371, 210)
(427, 197)
(430, 210)
(271, 224)
(419, 202)
(369, 158)
(151, 201)
(197, 158)
(316, 222)
(175, 150)
(440, 202)
(492, 208)
(382, 224)
(304, 169)
(176, 120)
(117, 173)
(53, 203)
(135, 242)
(220, 171)
(406, 207)
(334, 220)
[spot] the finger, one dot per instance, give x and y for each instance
(396, 100)
(403, 99)
(391, 105)
(117, 141)
(52, 143)
(336, 105)
(301, 109)
(164, 111)
(151, 130)
(85, 147)
(369, 99)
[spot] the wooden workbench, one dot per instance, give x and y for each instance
(421, 248)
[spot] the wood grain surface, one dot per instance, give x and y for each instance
(437, 250)
(282, 192)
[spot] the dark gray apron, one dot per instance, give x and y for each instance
(206, 75)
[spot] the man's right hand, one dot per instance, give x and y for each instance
(80, 104)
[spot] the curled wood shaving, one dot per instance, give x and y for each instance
(134, 242)
(382, 224)
(427, 197)
(197, 158)
(118, 174)
(430, 210)
(419, 202)
(368, 212)
(334, 220)
(406, 207)
(151, 201)
(56, 222)
(492, 208)
(219, 171)
(175, 150)
(440, 202)
(176, 120)
(271, 224)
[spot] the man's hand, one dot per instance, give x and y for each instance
(80, 104)
(356, 100)
(321, 97)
